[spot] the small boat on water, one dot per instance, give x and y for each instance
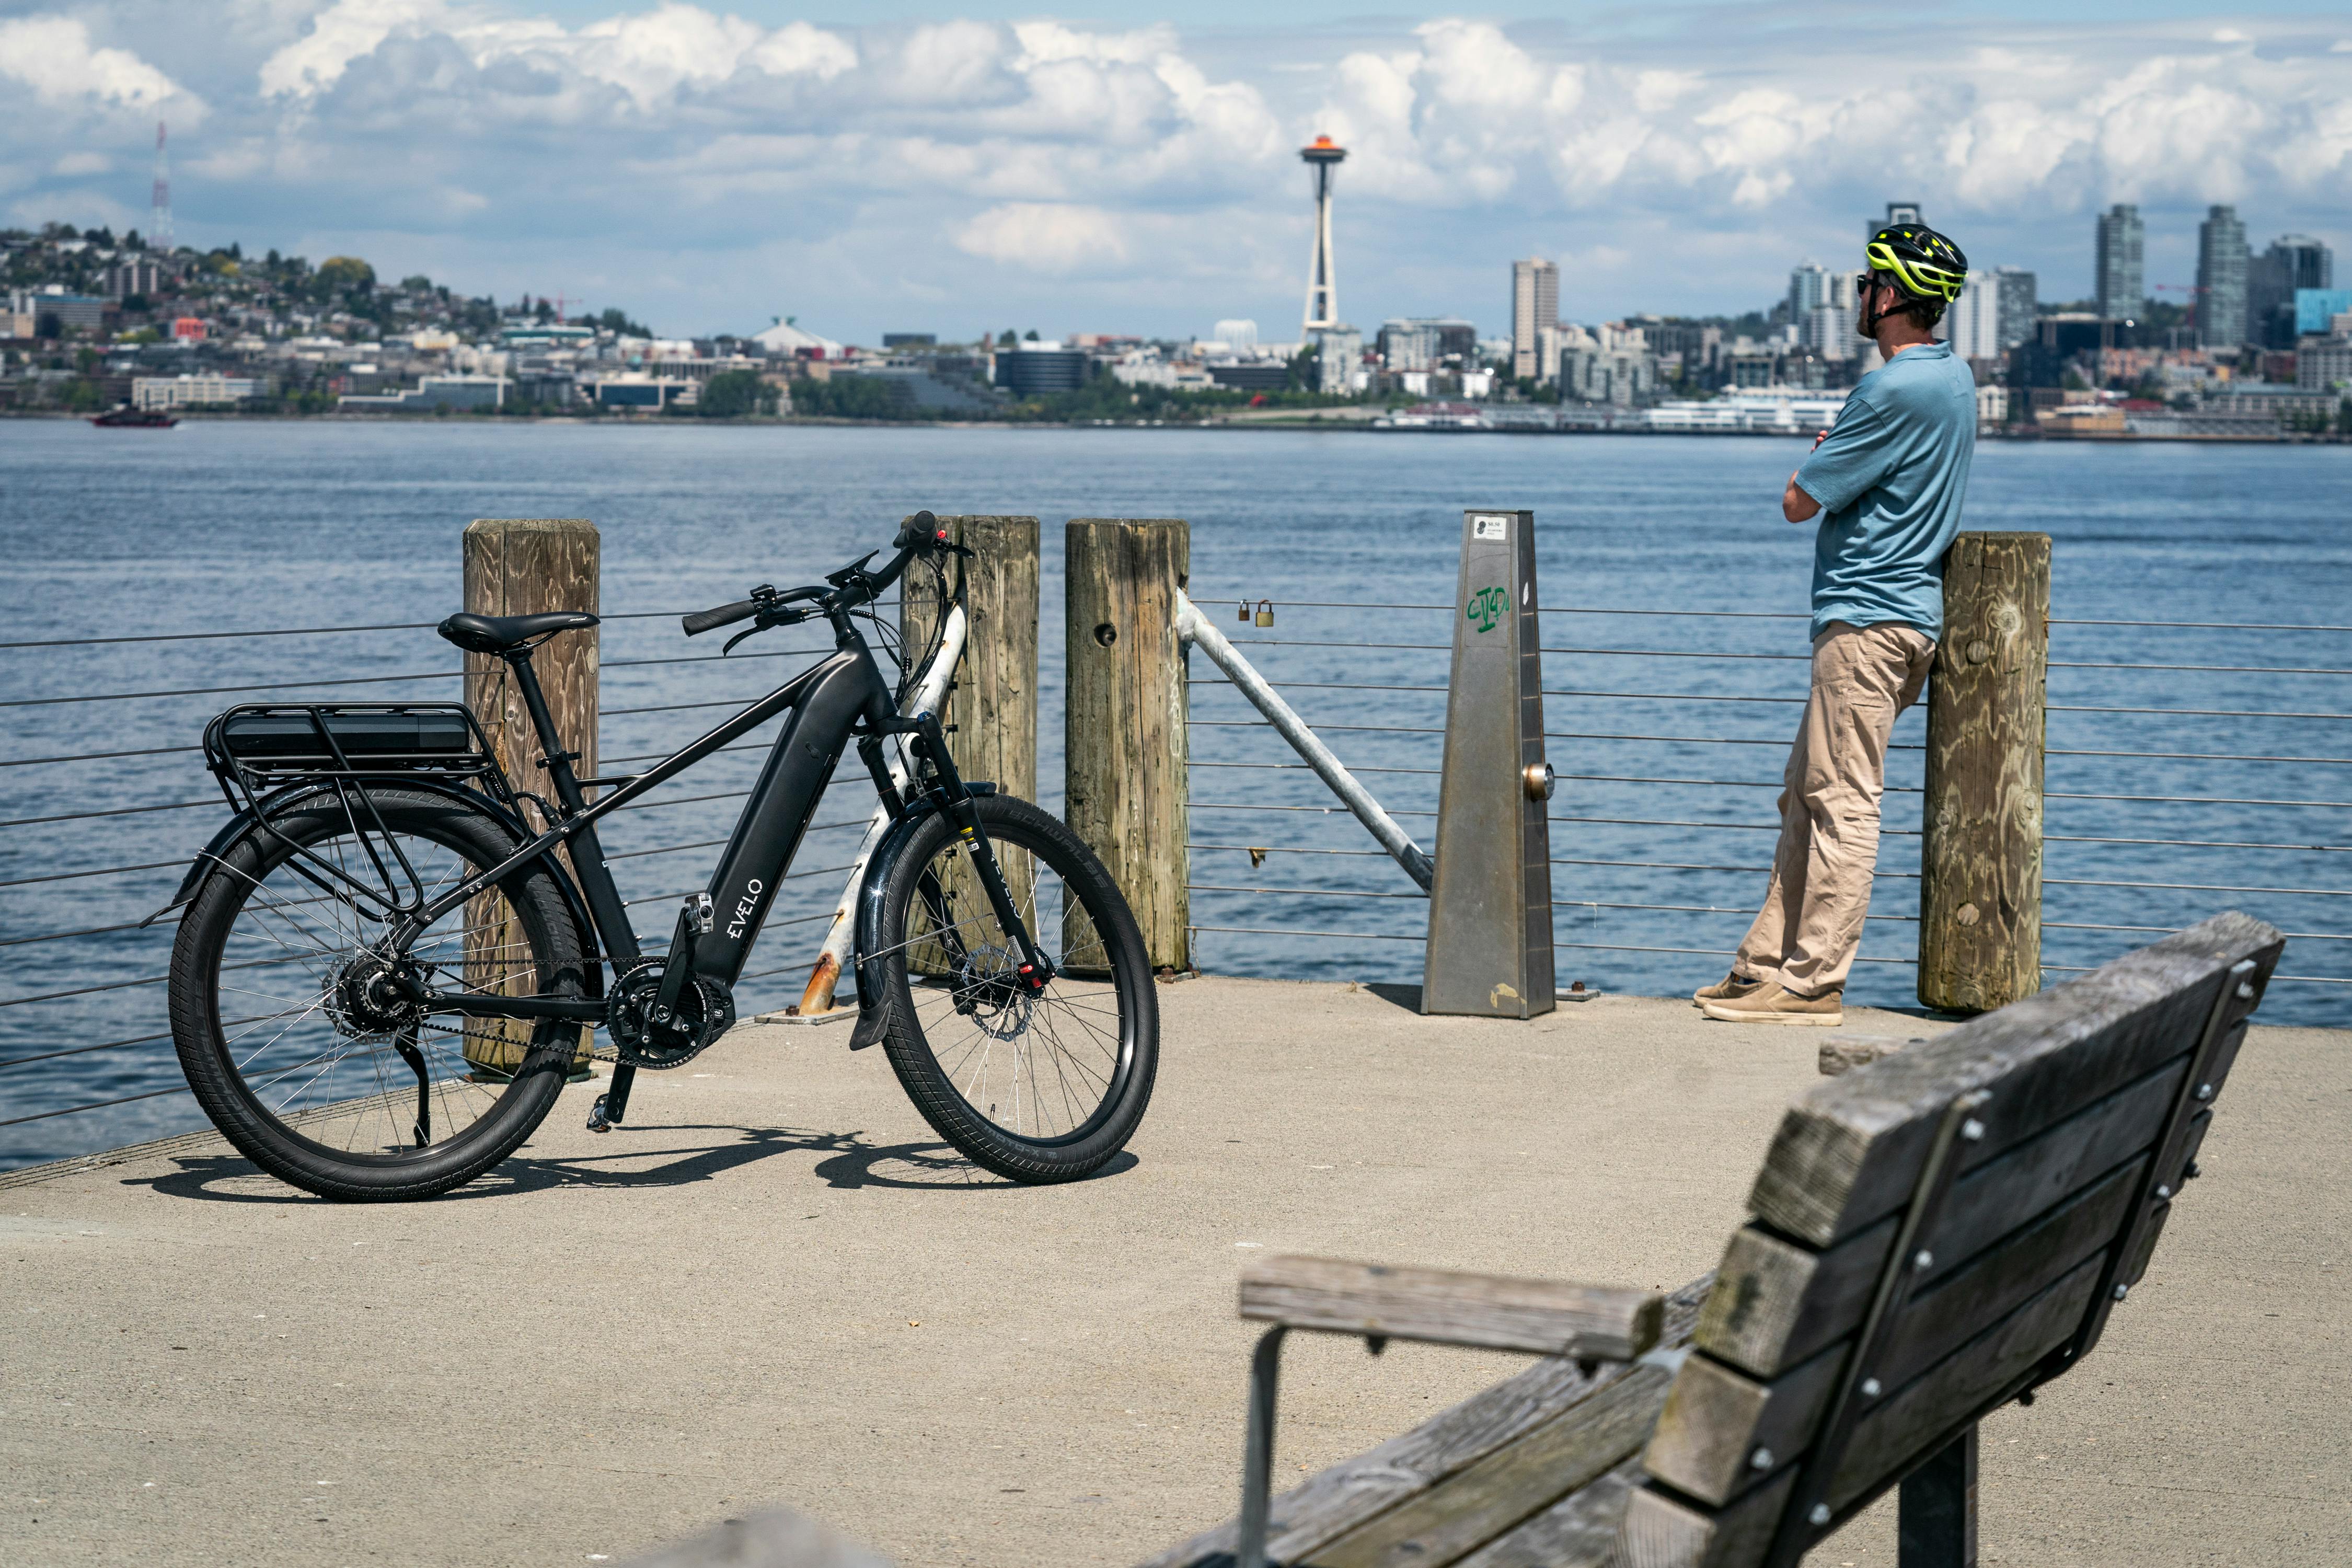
(126, 418)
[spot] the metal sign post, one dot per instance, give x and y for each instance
(1489, 953)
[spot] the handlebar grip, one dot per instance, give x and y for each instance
(920, 533)
(703, 621)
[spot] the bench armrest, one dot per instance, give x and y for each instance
(1492, 1311)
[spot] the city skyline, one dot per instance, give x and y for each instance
(711, 168)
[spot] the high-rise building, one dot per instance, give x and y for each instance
(2020, 301)
(2221, 280)
(2122, 277)
(1808, 288)
(1974, 325)
(1535, 305)
(1339, 354)
(1896, 212)
(2293, 261)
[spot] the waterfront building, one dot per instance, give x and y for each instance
(206, 389)
(140, 275)
(83, 311)
(1035, 368)
(2121, 282)
(1338, 360)
(785, 340)
(2292, 262)
(2221, 280)
(911, 340)
(1239, 335)
(1535, 305)
(458, 393)
(2325, 365)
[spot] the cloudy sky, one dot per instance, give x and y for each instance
(966, 166)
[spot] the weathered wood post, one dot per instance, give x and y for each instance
(521, 566)
(992, 708)
(1980, 855)
(1125, 745)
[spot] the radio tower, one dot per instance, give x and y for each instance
(1322, 288)
(159, 223)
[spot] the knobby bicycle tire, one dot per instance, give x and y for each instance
(244, 935)
(1037, 1088)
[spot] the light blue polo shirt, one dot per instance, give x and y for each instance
(1891, 480)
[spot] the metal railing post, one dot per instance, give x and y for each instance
(1490, 940)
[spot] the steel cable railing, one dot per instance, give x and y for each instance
(84, 928)
(2091, 859)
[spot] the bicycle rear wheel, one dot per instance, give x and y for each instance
(301, 1054)
(1043, 1088)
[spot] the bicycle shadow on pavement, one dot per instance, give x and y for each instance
(849, 1161)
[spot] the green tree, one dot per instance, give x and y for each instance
(732, 394)
(618, 321)
(345, 277)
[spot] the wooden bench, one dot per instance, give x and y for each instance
(1933, 1234)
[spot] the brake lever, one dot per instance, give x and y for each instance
(762, 622)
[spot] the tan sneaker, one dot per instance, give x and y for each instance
(1730, 987)
(1775, 1004)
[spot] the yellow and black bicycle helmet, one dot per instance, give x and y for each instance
(1925, 267)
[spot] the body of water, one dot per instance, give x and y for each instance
(1669, 730)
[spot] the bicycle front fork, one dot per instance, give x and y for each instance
(1036, 969)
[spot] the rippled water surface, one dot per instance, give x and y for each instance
(1669, 760)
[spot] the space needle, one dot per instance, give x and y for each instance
(1322, 155)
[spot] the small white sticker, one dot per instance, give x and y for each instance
(1490, 528)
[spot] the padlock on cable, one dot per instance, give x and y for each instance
(1266, 611)
(1243, 616)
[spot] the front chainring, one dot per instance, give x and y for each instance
(706, 1010)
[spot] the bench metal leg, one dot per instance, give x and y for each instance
(1937, 1518)
(1257, 1455)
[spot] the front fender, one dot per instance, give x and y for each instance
(872, 998)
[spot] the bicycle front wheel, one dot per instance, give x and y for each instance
(1039, 1088)
(303, 1055)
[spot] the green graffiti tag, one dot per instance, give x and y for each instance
(1486, 608)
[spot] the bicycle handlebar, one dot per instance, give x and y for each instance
(703, 621)
(920, 534)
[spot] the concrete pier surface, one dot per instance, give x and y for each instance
(776, 1286)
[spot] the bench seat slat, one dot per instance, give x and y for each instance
(1480, 1501)
(1578, 1531)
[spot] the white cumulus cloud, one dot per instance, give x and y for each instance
(55, 57)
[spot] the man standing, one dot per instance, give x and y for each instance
(1887, 481)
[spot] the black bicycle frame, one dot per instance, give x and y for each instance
(828, 704)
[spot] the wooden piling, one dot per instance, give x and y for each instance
(521, 566)
(992, 708)
(1980, 855)
(1125, 747)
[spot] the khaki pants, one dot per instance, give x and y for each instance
(1811, 925)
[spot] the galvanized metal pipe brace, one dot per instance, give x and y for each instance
(1195, 629)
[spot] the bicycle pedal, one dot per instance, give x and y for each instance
(597, 1120)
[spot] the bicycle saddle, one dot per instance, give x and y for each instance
(502, 633)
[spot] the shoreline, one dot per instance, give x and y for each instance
(1342, 425)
